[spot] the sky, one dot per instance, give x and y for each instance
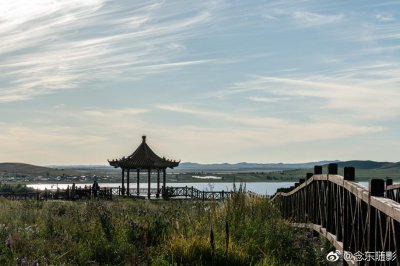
(206, 81)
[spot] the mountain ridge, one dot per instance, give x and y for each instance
(24, 168)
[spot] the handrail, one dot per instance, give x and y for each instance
(353, 218)
(387, 206)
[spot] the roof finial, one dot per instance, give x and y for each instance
(144, 138)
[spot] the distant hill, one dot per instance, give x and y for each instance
(368, 165)
(29, 169)
(188, 166)
(392, 166)
(34, 170)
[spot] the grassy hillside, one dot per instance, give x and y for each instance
(361, 174)
(366, 164)
(29, 169)
(392, 166)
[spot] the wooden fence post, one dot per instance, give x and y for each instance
(389, 193)
(332, 169)
(309, 175)
(349, 174)
(317, 170)
(376, 189)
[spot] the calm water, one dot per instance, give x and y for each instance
(263, 188)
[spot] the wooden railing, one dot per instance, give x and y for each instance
(353, 218)
(193, 193)
(117, 191)
(392, 191)
(20, 195)
(60, 194)
(109, 192)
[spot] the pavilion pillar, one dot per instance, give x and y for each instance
(158, 183)
(127, 182)
(138, 182)
(123, 182)
(164, 183)
(148, 183)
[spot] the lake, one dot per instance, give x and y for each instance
(263, 188)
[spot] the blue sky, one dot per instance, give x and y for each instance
(206, 81)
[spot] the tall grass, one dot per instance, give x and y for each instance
(240, 231)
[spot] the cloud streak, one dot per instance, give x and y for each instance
(276, 131)
(310, 19)
(351, 91)
(53, 45)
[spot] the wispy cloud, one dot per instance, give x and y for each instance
(26, 143)
(267, 99)
(301, 13)
(277, 131)
(355, 94)
(246, 120)
(96, 134)
(384, 17)
(310, 19)
(52, 45)
(226, 80)
(113, 113)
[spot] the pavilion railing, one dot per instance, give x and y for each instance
(193, 193)
(358, 222)
(117, 191)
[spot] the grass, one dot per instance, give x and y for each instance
(240, 231)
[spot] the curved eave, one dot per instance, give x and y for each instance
(125, 163)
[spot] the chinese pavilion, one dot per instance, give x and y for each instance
(143, 159)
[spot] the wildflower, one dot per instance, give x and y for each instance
(22, 262)
(45, 260)
(9, 242)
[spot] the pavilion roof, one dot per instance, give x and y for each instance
(143, 158)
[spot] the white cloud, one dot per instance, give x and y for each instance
(384, 17)
(275, 131)
(382, 49)
(267, 99)
(367, 92)
(50, 45)
(113, 113)
(269, 17)
(310, 19)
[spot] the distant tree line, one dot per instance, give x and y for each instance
(16, 188)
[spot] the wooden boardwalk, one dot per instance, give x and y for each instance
(354, 219)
